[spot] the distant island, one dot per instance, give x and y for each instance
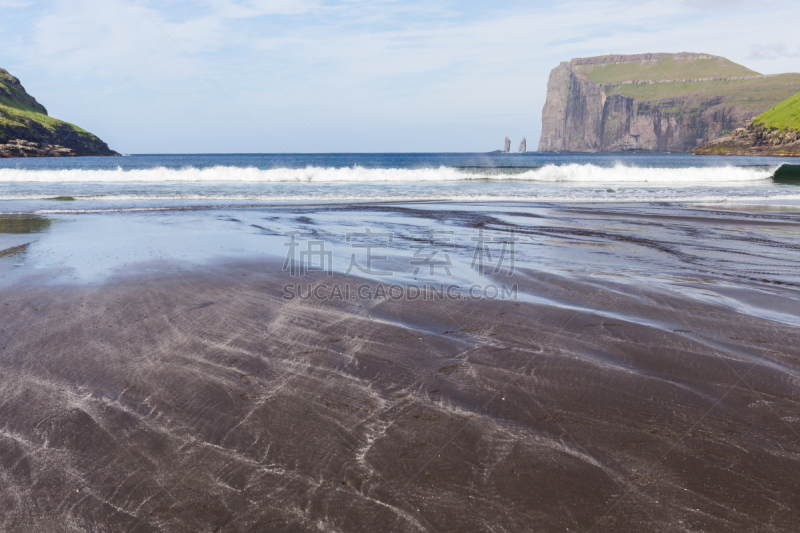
(654, 102)
(775, 132)
(26, 130)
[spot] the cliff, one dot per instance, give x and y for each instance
(26, 130)
(653, 102)
(775, 132)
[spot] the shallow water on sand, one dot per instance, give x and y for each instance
(635, 243)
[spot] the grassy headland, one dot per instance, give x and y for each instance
(19, 109)
(746, 93)
(784, 116)
(668, 68)
(26, 129)
(662, 102)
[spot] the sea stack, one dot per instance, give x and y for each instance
(523, 146)
(508, 145)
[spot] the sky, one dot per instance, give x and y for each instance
(272, 76)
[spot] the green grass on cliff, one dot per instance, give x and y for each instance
(14, 115)
(784, 116)
(752, 95)
(14, 94)
(19, 109)
(749, 94)
(665, 69)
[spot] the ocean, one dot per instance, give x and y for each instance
(139, 182)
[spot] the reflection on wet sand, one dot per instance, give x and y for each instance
(21, 224)
(13, 228)
(14, 250)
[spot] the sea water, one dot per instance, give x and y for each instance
(141, 182)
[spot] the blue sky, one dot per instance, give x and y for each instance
(347, 76)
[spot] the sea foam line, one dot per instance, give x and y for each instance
(710, 200)
(574, 173)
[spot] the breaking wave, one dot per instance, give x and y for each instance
(575, 173)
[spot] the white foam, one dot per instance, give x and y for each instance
(573, 173)
(712, 200)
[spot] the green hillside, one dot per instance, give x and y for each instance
(26, 130)
(668, 68)
(784, 116)
(748, 94)
(12, 94)
(18, 110)
(755, 94)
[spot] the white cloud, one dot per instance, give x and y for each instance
(772, 51)
(234, 9)
(732, 4)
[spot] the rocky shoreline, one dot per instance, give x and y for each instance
(755, 139)
(32, 139)
(22, 148)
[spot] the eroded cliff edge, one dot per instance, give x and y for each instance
(653, 102)
(26, 129)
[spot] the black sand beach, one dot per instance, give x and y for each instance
(646, 379)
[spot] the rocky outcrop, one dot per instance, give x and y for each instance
(40, 141)
(583, 116)
(507, 146)
(523, 146)
(684, 80)
(640, 59)
(20, 148)
(755, 139)
(26, 130)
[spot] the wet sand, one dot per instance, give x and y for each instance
(202, 400)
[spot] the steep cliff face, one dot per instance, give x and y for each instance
(573, 113)
(653, 102)
(26, 130)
